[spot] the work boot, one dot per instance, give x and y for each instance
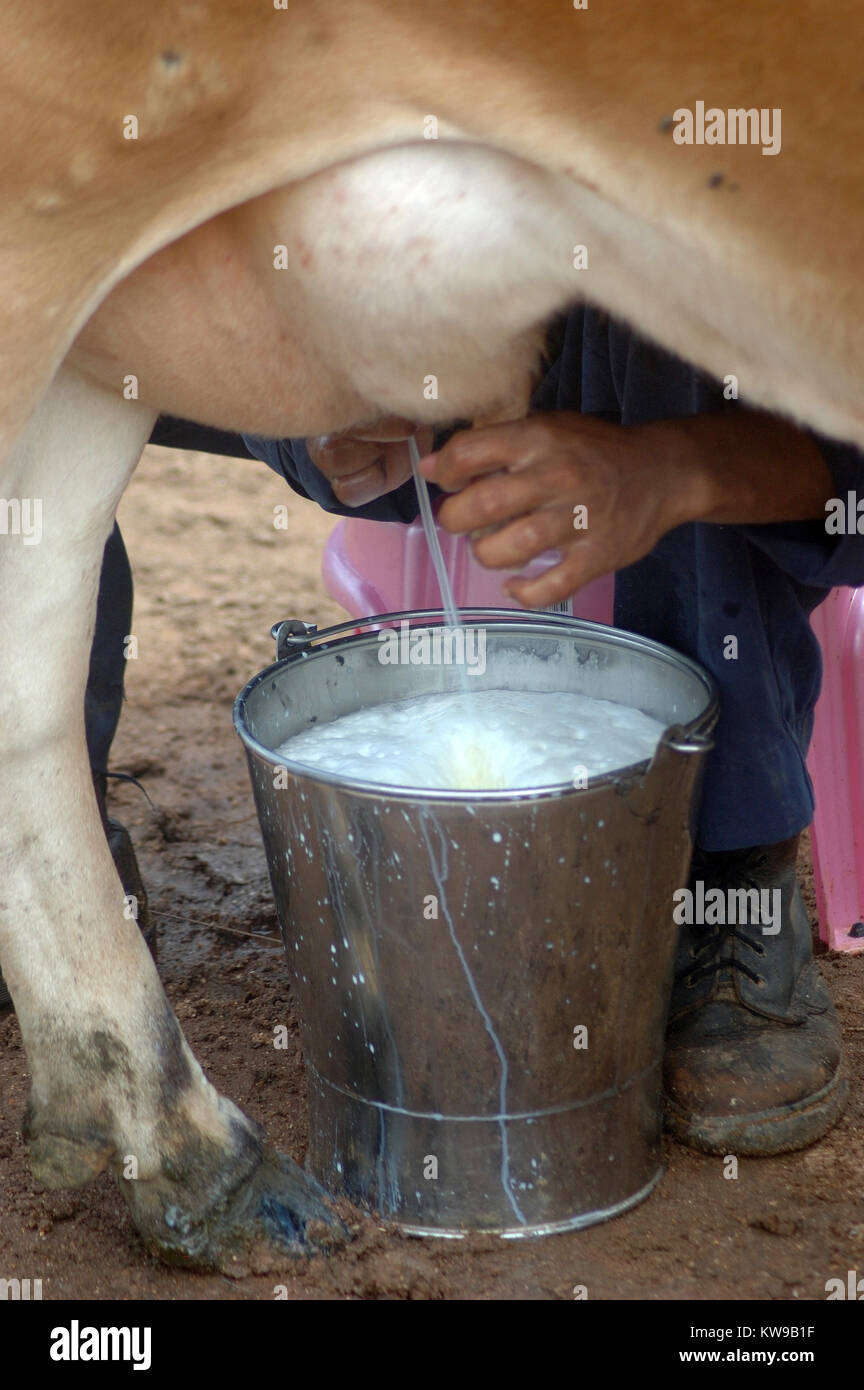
(753, 1049)
(126, 864)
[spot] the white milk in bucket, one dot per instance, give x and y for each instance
(488, 740)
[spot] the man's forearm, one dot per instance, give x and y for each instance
(744, 467)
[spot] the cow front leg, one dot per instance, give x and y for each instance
(114, 1082)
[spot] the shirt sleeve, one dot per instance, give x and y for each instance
(175, 433)
(290, 458)
(805, 549)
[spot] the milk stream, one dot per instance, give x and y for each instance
(448, 603)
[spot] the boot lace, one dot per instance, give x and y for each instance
(709, 959)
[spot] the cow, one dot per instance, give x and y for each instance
(297, 218)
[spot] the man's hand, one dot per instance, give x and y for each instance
(520, 487)
(369, 462)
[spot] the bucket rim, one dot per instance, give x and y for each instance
(325, 642)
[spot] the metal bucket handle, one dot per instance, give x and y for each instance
(293, 636)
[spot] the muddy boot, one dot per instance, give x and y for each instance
(126, 865)
(753, 1048)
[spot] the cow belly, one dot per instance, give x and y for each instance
(412, 282)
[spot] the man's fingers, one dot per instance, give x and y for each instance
(362, 486)
(360, 470)
(514, 545)
(581, 564)
(388, 470)
(499, 498)
(339, 455)
(471, 453)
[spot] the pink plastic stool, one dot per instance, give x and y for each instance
(384, 567)
(836, 764)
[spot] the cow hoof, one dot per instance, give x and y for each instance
(224, 1200)
(278, 1212)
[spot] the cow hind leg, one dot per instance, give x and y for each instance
(114, 1083)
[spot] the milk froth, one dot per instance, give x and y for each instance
(495, 740)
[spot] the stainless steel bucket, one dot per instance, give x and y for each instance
(483, 979)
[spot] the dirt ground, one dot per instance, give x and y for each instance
(211, 575)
